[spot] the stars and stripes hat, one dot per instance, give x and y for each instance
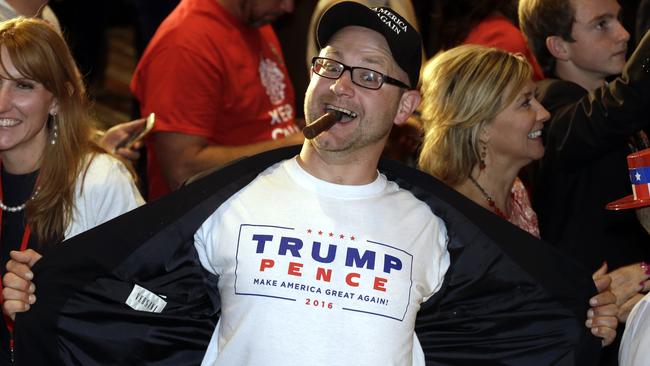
(639, 166)
(403, 39)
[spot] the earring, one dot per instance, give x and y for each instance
(54, 125)
(481, 163)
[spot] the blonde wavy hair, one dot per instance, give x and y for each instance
(463, 89)
(40, 54)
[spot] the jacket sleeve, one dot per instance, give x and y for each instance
(508, 298)
(132, 290)
(584, 125)
(128, 292)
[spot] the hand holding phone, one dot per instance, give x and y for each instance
(136, 136)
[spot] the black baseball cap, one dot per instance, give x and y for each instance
(403, 39)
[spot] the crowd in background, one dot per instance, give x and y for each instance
(529, 109)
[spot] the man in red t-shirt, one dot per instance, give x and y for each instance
(214, 74)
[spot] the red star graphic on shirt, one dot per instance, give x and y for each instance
(320, 232)
(308, 231)
(352, 237)
(331, 235)
(341, 236)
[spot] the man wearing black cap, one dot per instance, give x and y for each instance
(317, 255)
(320, 258)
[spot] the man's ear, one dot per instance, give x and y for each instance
(558, 48)
(409, 101)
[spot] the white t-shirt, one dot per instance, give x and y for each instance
(105, 191)
(316, 273)
(635, 345)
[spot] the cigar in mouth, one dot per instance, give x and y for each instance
(323, 123)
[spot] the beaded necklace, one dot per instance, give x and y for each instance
(19, 207)
(488, 198)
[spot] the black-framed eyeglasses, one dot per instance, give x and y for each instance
(367, 78)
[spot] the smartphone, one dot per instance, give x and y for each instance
(151, 119)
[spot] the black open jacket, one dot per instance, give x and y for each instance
(507, 299)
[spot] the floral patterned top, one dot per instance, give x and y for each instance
(521, 210)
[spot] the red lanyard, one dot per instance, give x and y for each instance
(23, 246)
(26, 233)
